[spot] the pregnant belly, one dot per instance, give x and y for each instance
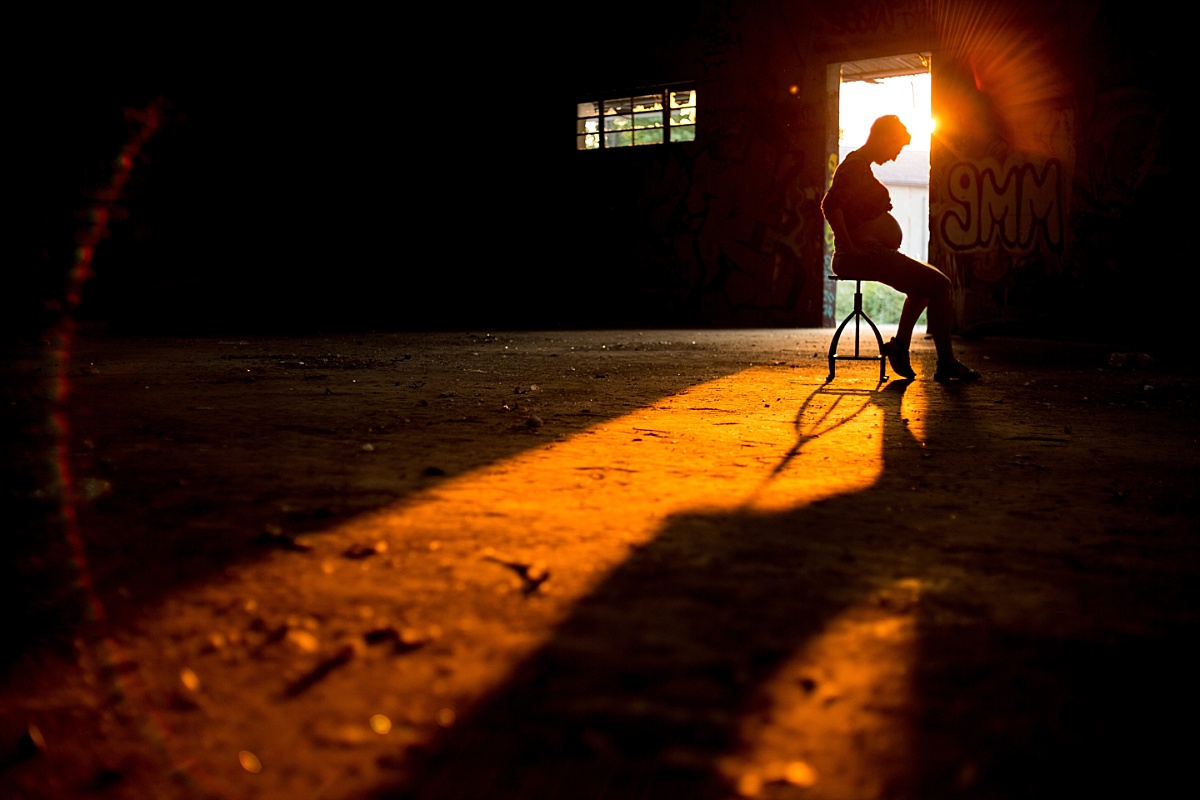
(884, 230)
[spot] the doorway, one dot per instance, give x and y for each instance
(864, 90)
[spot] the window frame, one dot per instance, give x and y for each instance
(624, 120)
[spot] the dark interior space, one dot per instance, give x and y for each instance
(368, 435)
(312, 173)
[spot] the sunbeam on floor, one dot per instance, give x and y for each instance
(412, 614)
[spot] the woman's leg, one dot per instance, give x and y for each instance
(909, 314)
(926, 288)
(940, 318)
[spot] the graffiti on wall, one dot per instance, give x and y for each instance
(720, 38)
(1016, 206)
(1001, 229)
(877, 17)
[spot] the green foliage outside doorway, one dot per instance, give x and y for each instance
(882, 303)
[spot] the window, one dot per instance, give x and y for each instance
(668, 115)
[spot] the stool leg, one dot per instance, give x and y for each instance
(833, 354)
(859, 316)
(858, 312)
(833, 345)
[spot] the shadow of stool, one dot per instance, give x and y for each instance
(857, 314)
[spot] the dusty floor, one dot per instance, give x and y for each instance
(608, 564)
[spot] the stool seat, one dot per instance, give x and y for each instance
(857, 314)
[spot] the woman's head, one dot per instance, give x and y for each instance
(888, 137)
(889, 128)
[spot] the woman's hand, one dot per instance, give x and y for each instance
(845, 244)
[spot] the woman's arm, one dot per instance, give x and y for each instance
(842, 240)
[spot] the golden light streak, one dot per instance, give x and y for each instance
(839, 710)
(584, 504)
(694, 452)
(912, 411)
(566, 513)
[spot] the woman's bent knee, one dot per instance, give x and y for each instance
(916, 277)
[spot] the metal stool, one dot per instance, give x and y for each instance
(855, 315)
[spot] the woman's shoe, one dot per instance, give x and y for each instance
(955, 371)
(898, 359)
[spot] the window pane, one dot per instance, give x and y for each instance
(621, 105)
(618, 123)
(624, 139)
(684, 133)
(683, 99)
(648, 102)
(648, 119)
(683, 116)
(636, 120)
(648, 136)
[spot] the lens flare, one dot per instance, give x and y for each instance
(1017, 85)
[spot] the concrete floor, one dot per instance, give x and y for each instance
(597, 564)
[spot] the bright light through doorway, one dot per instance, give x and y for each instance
(907, 96)
(860, 104)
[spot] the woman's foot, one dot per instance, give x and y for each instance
(898, 358)
(955, 371)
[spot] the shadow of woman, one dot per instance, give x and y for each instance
(995, 657)
(645, 687)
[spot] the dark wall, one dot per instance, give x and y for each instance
(272, 179)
